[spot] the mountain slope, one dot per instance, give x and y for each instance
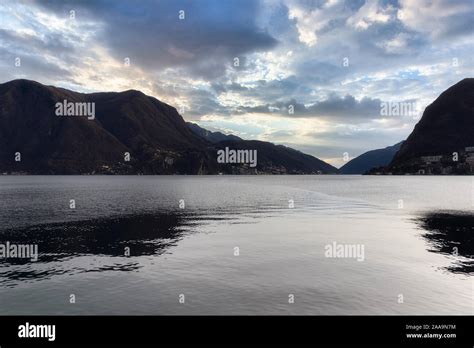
(125, 122)
(447, 126)
(213, 137)
(370, 159)
(272, 158)
(279, 159)
(157, 138)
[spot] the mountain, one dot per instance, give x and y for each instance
(370, 159)
(154, 134)
(275, 159)
(213, 137)
(447, 126)
(129, 133)
(279, 159)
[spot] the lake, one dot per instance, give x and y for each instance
(225, 245)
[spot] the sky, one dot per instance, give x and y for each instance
(308, 74)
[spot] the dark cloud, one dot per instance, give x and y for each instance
(153, 36)
(46, 43)
(347, 107)
(32, 51)
(278, 91)
(334, 107)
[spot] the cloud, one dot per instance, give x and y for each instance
(311, 20)
(347, 107)
(41, 52)
(437, 18)
(334, 61)
(156, 35)
(370, 13)
(398, 44)
(334, 107)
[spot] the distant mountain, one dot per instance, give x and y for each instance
(447, 126)
(275, 159)
(279, 159)
(35, 140)
(213, 137)
(370, 160)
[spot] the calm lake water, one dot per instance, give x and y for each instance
(409, 227)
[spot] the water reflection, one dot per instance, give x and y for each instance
(103, 241)
(448, 232)
(99, 245)
(144, 234)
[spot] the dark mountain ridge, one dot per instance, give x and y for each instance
(213, 137)
(124, 122)
(153, 133)
(446, 127)
(280, 159)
